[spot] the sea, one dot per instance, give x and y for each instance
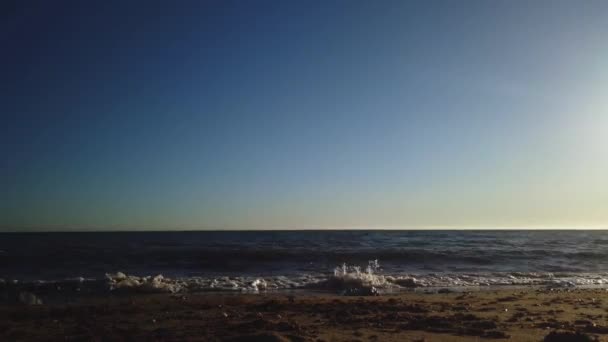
(260, 261)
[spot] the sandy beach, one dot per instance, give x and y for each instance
(292, 170)
(516, 314)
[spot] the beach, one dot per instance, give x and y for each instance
(518, 314)
(304, 286)
(285, 170)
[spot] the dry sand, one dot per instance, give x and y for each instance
(517, 315)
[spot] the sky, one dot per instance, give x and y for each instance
(128, 115)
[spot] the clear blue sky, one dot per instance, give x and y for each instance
(303, 114)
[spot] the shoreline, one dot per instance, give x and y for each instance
(340, 280)
(526, 314)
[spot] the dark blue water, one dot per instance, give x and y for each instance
(29, 256)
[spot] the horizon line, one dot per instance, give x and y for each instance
(439, 228)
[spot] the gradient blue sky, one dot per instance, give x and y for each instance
(303, 114)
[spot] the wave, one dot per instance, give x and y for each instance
(234, 261)
(345, 279)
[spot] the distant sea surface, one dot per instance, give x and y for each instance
(232, 260)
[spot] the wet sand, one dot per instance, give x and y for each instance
(518, 315)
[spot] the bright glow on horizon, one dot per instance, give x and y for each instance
(240, 116)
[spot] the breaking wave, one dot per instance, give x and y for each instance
(345, 279)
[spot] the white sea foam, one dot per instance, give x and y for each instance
(157, 283)
(353, 274)
(347, 279)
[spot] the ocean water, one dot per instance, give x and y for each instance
(277, 260)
